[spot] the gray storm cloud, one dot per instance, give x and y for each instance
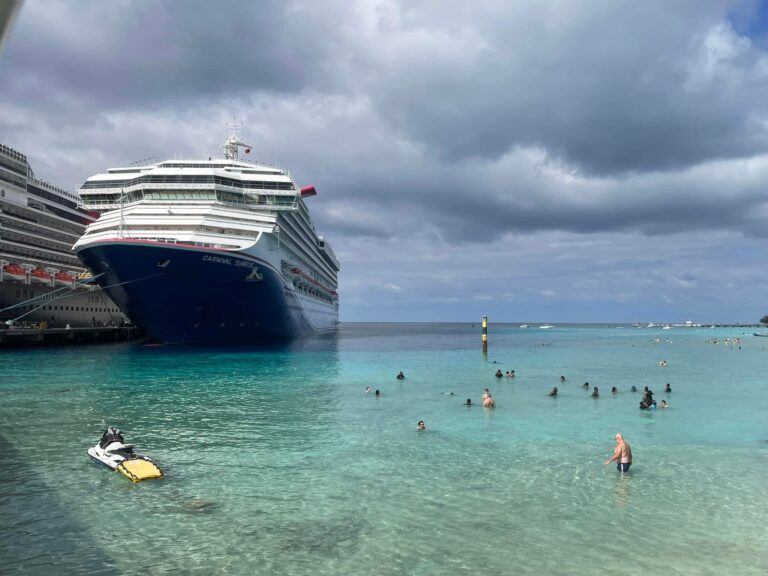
(448, 123)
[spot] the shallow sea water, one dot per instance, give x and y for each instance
(278, 462)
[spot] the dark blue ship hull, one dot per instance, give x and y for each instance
(180, 294)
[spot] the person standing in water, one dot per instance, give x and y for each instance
(622, 455)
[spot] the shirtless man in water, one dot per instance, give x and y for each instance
(622, 455)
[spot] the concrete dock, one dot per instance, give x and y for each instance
(13, 337)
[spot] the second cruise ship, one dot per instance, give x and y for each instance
(210, 251)
(39, 275)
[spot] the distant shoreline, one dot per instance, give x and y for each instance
(659, 325)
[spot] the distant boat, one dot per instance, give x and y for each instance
(758, 334)
(667, 327)
(546, 326)
(651, 325)
(523, 325)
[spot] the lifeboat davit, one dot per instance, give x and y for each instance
(63, 279)
(14, 272)
(40, 276)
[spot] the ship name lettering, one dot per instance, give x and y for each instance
(217, 259)
(244, 263)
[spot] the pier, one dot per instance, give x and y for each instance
(15, 337)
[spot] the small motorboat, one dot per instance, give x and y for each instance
(759, 334)
(112, 452)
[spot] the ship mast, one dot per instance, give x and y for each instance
(234, 143)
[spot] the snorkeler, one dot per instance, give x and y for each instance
(553, 392)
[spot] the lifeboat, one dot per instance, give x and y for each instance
(14, 272)
(40, 276)
(63, 279)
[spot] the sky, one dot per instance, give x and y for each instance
(533, 161)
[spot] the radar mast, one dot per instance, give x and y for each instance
(233, 144)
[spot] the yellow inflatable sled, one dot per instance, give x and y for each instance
(138, 469)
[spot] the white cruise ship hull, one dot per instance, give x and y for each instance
(186, 294)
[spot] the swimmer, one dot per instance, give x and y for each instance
(614, 390)
(511, 373)
(377, 393)
(421, 427)
(663, 363)
(648, 397)
(668, 388)
(499, 374)
(486, 394)
(585, 385)
(401, 376)
(553, 392)
(507, 374)
(368, 389)
(562, 378)
(634, 388)
(489, 402)
(663, 404)
(468, 402)
(595, 392)
(622, 455)
(643, 405)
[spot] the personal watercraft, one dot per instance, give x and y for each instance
(112, 452)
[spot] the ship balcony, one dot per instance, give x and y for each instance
(103, 199)
(186, 237)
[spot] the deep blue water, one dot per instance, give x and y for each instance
(278, 462)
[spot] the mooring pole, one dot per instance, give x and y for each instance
(485, 333)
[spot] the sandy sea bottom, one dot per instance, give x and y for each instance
(278, 462)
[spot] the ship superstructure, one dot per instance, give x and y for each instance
(216, 250)
(39, 273)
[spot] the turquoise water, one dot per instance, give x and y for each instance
(278, 462)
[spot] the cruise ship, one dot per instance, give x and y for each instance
(210, 251)
(39, 274)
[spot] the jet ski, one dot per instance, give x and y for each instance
(115, 454)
